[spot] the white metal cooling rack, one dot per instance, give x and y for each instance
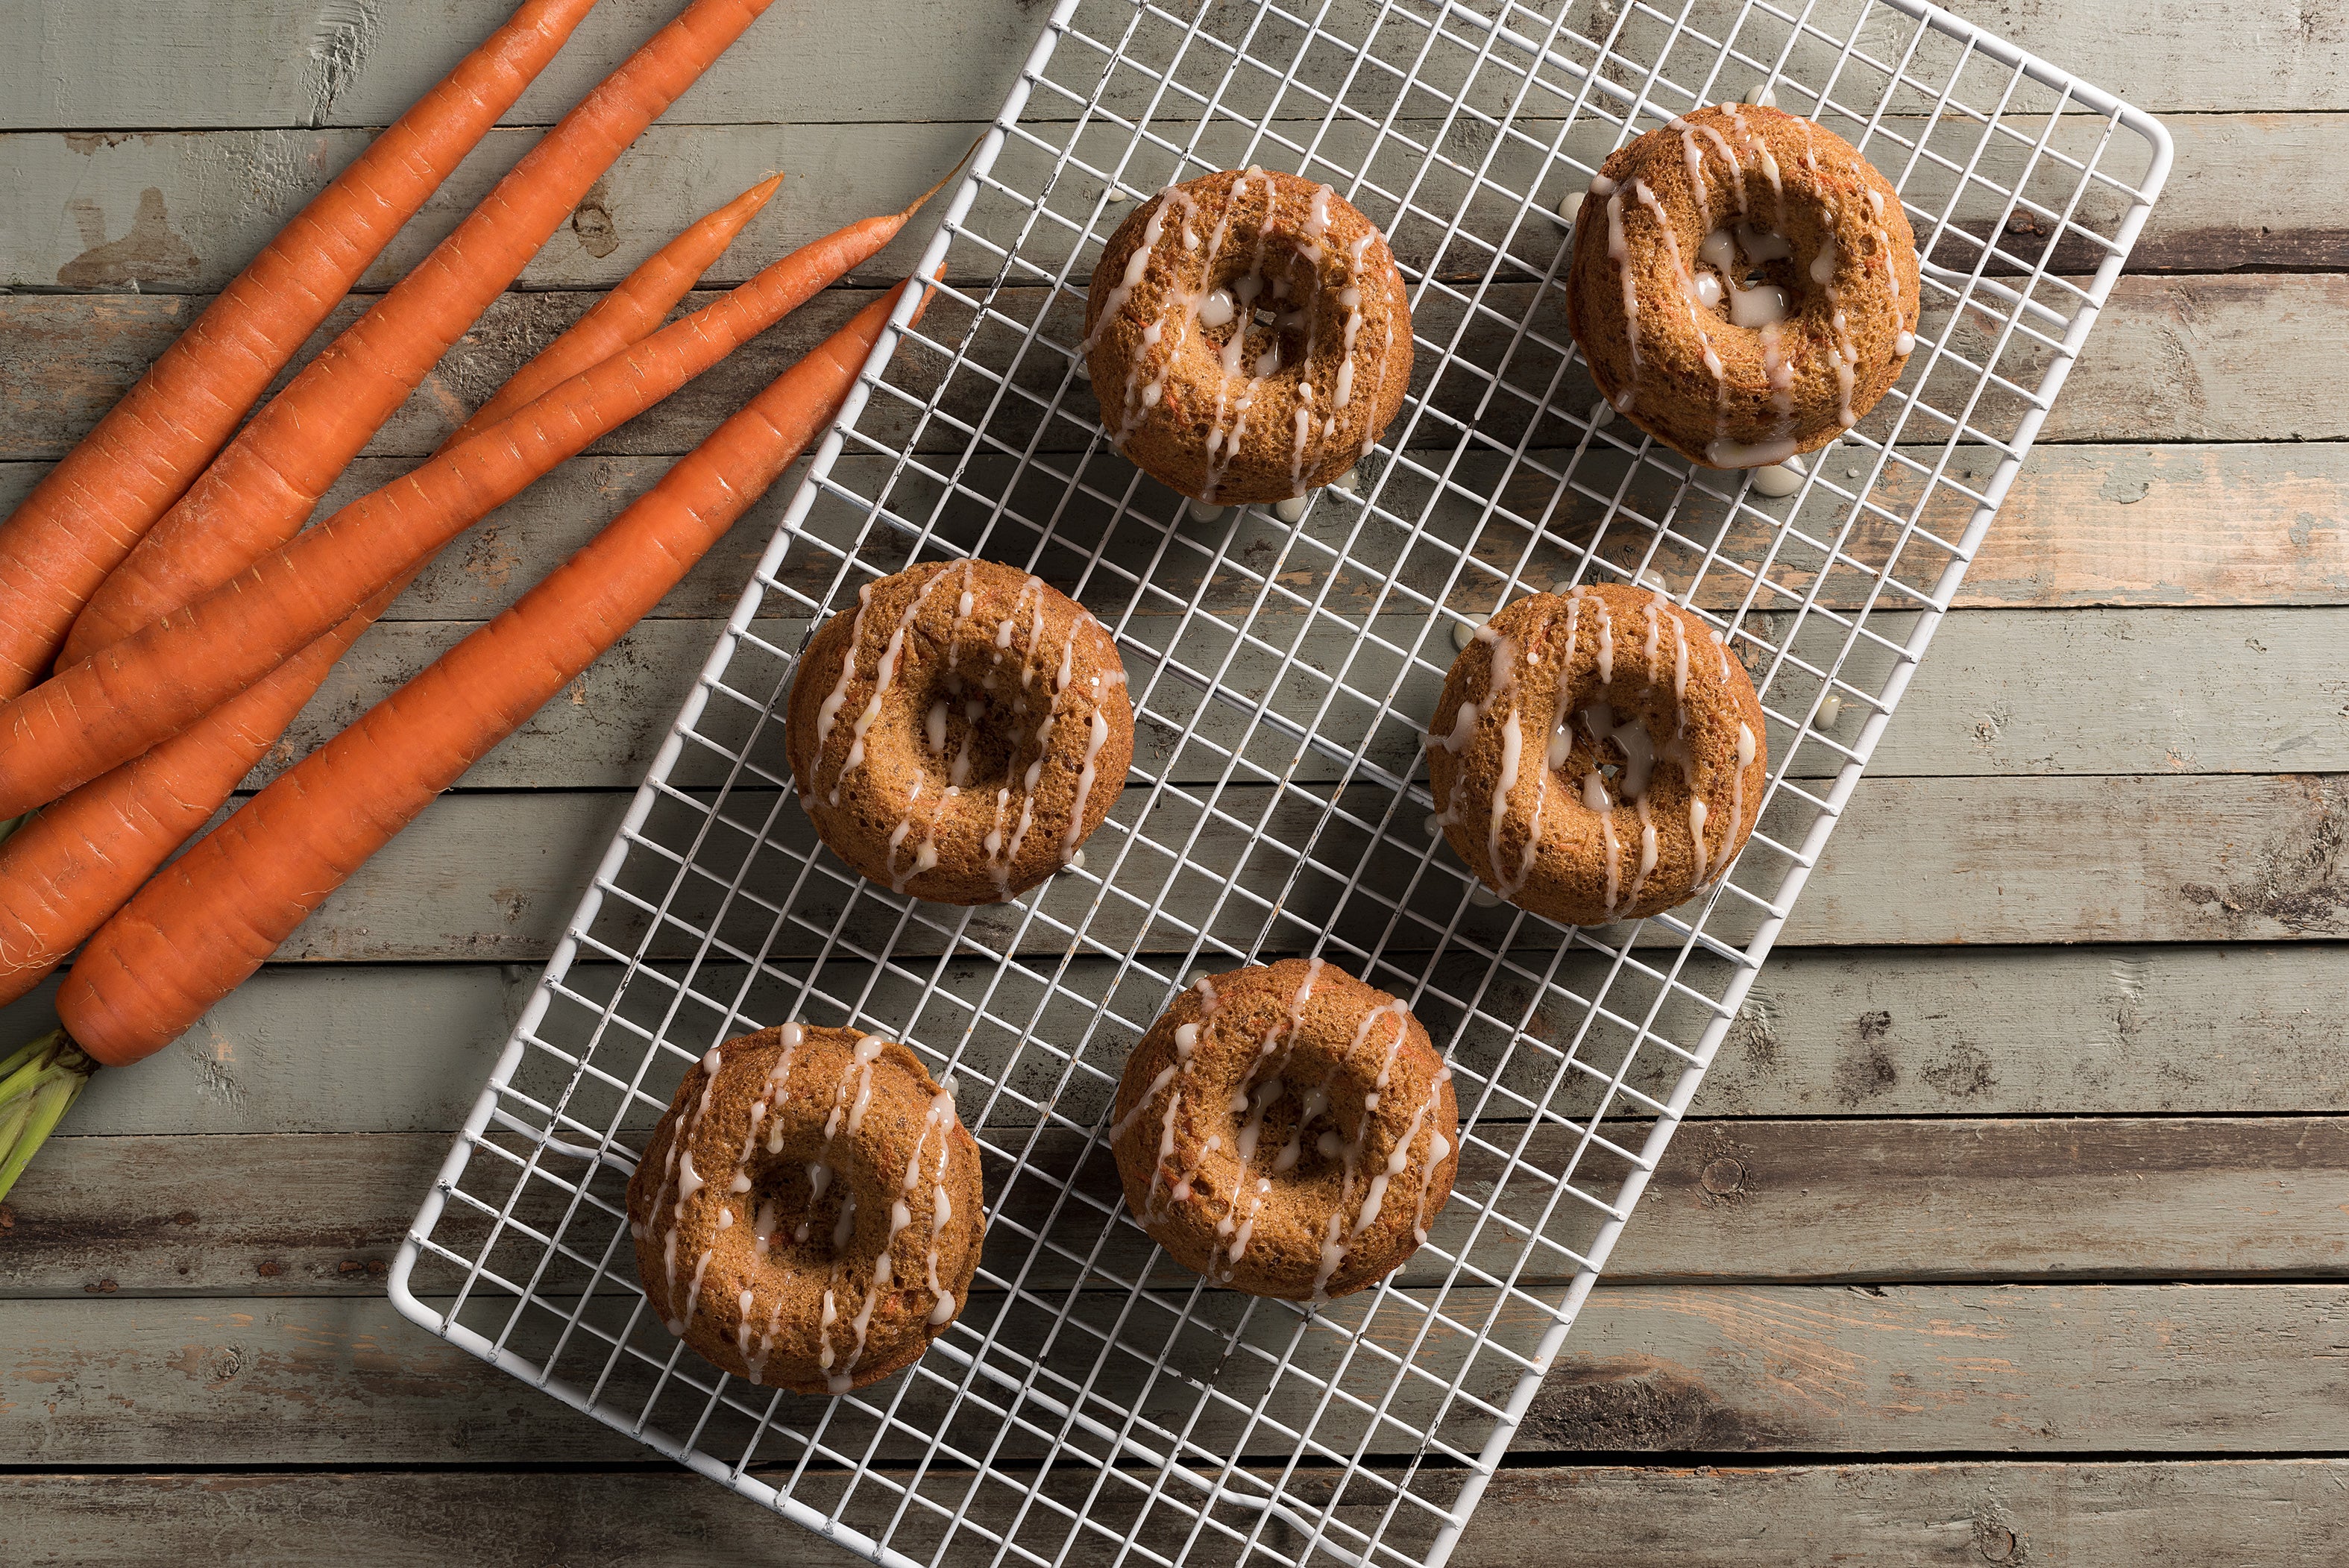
(1094, 1401)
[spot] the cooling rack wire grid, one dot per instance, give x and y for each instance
(1096, 1403)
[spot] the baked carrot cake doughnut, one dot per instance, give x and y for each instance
(1744, 286)
(1249, 337)
(1597, 755)
(960, 733)
(808, 1214)
(1287, 1131)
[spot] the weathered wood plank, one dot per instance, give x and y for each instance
(2085, 526)
(1647, 1369)
(495, 876)
(278, 63)
(2279, 1512)
(2196, 691)
(1765, 1200)
(2174, 358)
(2242, 1028)
(181, 212)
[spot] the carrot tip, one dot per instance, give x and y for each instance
(943, 178)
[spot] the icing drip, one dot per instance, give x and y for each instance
(883, 678)
(1095, 738)
(847, 1110)
(1256, 1095)
(1697, 317)
(1647, 849)
(830, 708)
(1595, 796)
(1439, 1149)
(1561, 735)
(1338, 1237)
(1620, 251)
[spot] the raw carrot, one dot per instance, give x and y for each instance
(78, 858)
(74, 863)
(260, 491)
(194, 934)
(627, 315)
(85, 515)
(107, 710)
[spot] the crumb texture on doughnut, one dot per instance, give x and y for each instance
(1744, 284)
(960, 733)
(1598, 755)
(1286, 1130)
(1249, 337)
(808, 1214)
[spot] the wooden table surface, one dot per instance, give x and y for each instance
(2009, 1227)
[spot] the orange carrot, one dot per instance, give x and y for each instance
(260, 491)
(107, 710)
(87, 512)
(78, 858)
(74, 863)
(194, 934)
(627, 315)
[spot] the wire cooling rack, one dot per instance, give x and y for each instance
(1095, 1401)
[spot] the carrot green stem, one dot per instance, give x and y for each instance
(38, 1084)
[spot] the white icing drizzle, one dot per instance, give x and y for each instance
(1620, 251)
(1595, 796)
(1256, 1095)
(1095, 738)
(1647, 850)
(1696, 833)
(885, 675)
(1439, 1149)
(829, 710)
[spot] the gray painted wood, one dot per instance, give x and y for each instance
(2174, 691)
(495, 876)
(183, 212)
(2112, 1198)
(274, 1380)
(2188, 358)
(2099, 1515)
(2086, 526)
(2236, 1027)
(234, 67)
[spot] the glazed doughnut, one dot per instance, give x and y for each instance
(1249, 337)
(961, 733)
(1216, 1140)
(1744, 286)
(1597, 755)
(808, 1212)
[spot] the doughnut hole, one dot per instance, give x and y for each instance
(807, 1229)
(1747, 271)
(971, 723)
(1267, 307)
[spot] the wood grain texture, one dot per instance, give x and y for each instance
(182, 212)
(2176, 692)
(1765, 1200)
(2277, 1512)
(495, 876)
(2226, 357)
(1973, 1031)
(232, 65)
(1649, 1370)
(2128, 526)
